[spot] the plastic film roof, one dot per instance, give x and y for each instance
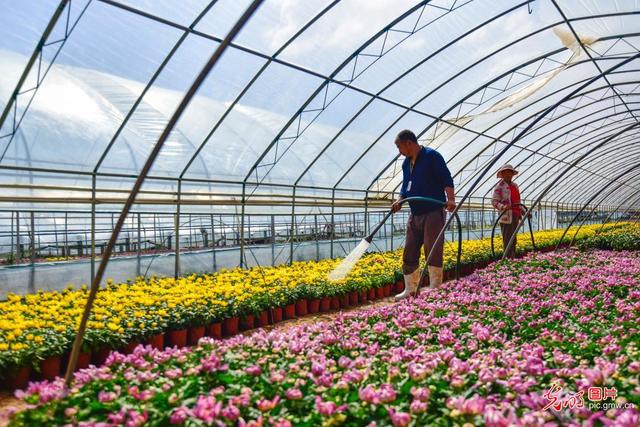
(308, 99)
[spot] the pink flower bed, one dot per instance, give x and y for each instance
(521, 343)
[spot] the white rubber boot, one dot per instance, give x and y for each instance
(435, 276)
(410, 285)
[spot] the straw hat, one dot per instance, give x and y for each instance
(506, 167)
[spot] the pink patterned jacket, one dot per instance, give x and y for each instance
(502, 197)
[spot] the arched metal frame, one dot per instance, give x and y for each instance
(567, 169)
(499, 139)
(95, 284)
(543, 162)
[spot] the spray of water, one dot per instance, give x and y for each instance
(341, 271)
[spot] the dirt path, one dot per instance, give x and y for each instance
(8, 401)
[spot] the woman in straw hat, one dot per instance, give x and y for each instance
(506, 197)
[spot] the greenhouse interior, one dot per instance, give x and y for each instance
(319, 213)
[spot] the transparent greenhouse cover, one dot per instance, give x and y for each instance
(312, 93)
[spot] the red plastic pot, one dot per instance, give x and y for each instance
(277, 315)
(353, 298)
(363, 297)
(214, 330)
(302, 308)
(371, 294)
(398, 287)
(176, 338)
(335, 303)
(263, 319)
(195, 333)
(247, 322)
(128, 349)
(387, 290)
(379, 292)
(344, 301)
(100, 356)
(290, 311)
(17, 378)
(156, 341)
(314, 306)
(325, 304)
(84, 360)
(50, 368)
(230, 326)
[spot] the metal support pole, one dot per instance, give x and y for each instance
(11, 248)
(273, 240)
(241, 231)
(176, 233)
(93, 226)
(139, 248)
(315, 232)
(66, 235)
(19, 244)
(213, 243)
(293, 225)
(366, 212)
(392, 231)
(32, 244)
(482, 220)
(140, 180)
(332, 231)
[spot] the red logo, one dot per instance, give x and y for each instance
(558, 402)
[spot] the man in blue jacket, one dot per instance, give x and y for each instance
(424, 173)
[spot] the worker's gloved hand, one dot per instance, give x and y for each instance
(450, 205)
(396, 206)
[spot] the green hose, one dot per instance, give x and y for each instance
(369, 238)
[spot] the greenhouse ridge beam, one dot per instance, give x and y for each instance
(271, 58)
(386, 168)
(589, 17)
(441, 119)
(537, 151)
(327, 80)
